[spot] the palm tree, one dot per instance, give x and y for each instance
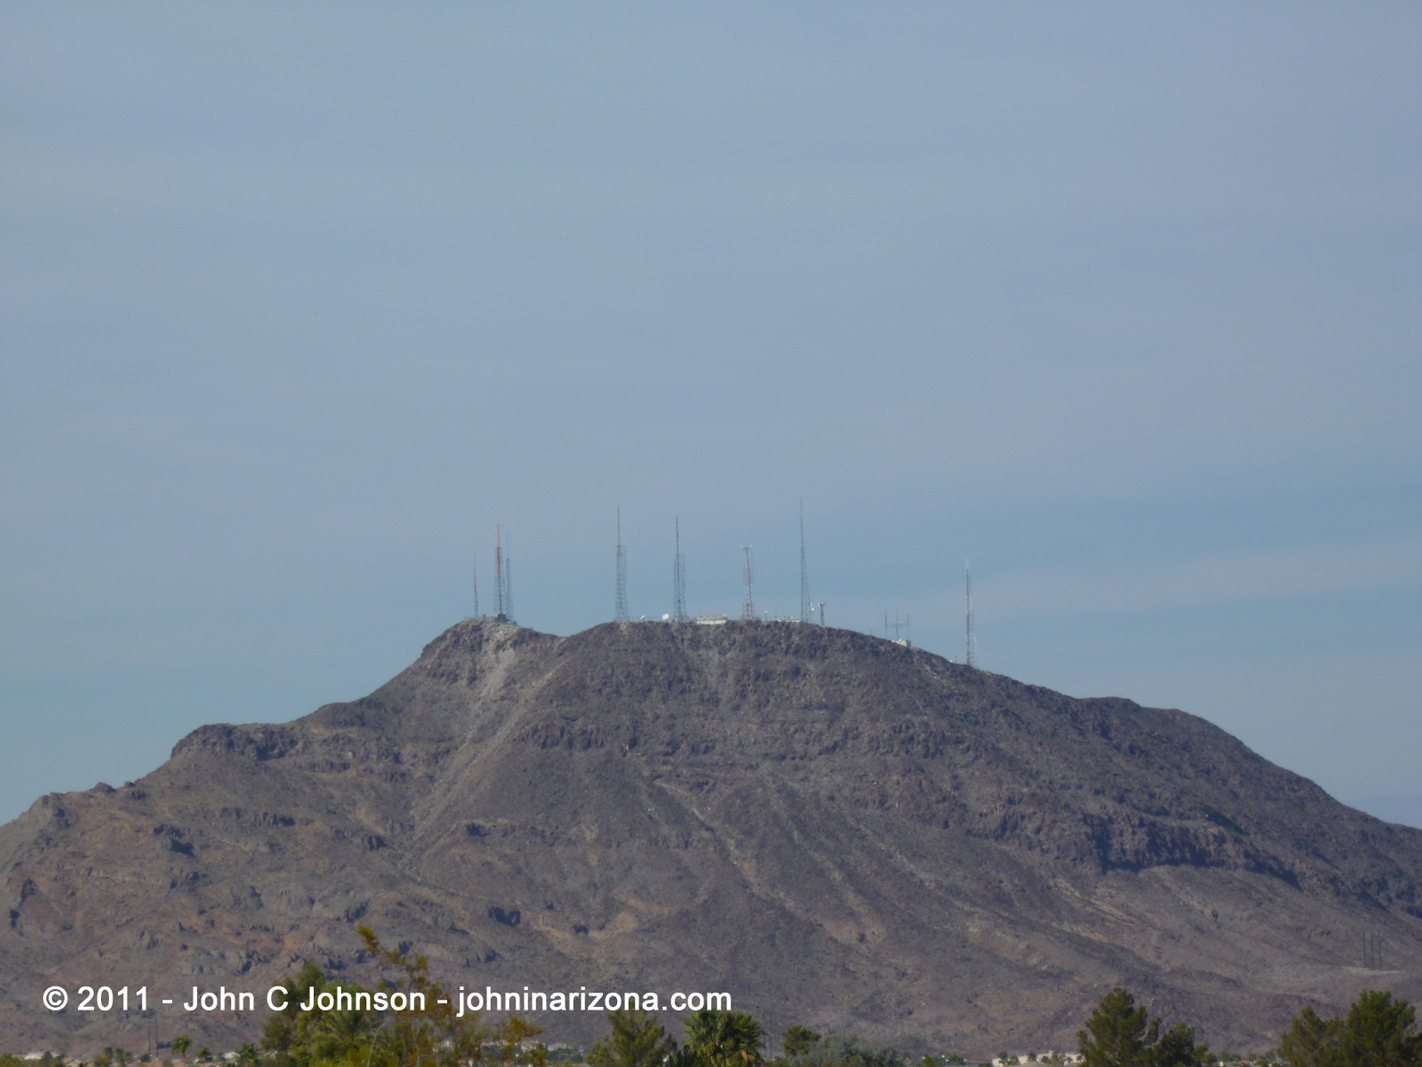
(337, 1034)
(725, 1038)
(181, 1043)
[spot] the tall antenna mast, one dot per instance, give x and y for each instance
(804, 571)
(748, 608)
(970, 650)
(619, 610)
(508, 586)
(499, 569)
(678, 581)
(476, 584)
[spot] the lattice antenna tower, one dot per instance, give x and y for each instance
(619, 610)
(679, 581)
(970, 650)
(804, 571)
(475, 560)
(748, 608)
(508, 586)
(499, 568)
(1372, 951)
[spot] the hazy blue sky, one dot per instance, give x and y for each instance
(1121, 301)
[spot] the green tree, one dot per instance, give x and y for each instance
(1117, 1034)
(798, 1040)
(1379, 1032)
(1310, 1041)
(1120, 1034)
(849, 1051)
(294, 1037)
(1177, 1048)
(204, 1055)
(181, 1043)
(635, 1041)
(432, 1036)
(724, 1038)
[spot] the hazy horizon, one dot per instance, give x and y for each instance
(1120, 302)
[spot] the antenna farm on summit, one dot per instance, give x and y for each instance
(901, 630)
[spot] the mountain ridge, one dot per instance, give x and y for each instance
(842, 831)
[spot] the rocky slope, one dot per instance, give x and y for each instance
(838, 830)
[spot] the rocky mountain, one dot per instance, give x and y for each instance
(840, 831)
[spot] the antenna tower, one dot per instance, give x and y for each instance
(804, 571)
(970, 650)
(476, 584)
(748, 608)
(499, 569)
(1372, 951)
(619, 609)
(508, 587)
(679, 581)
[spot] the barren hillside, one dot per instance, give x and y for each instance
(841, 831)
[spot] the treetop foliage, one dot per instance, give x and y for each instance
(635, 1041)
(797, 1040)
(1120, 1034)
(432, 1035)
(1377, 1032)
(848, 1051)
(724, 1038)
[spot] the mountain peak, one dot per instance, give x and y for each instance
(839, 830)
